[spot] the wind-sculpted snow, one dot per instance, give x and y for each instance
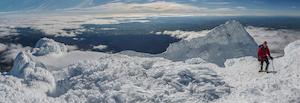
(118, 78)
(48, 46)
(121, 79)
(111, 78)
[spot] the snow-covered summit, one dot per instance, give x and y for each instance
(229, 40)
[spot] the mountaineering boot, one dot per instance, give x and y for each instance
(266, 71)
(260, 70)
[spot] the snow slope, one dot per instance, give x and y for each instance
(282, 85)
(229, 40)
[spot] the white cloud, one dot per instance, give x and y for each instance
(220, 9)
(54, 25)
(293, 6)
(277, 39)
(109, 29)
(159, 6)
(2, 47)
(6, 30)
(158, 33)
(193, 0)
(258, 2)
(9, 12)
(12, 51)
(240, 7)
(261, 10)
(38, 8)
(79, 39)
(186, 35)
(85, 3)
(100, 47)
(71, 48)
(218, 3)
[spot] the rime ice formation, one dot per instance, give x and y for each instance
(48, 46)
(29, 68)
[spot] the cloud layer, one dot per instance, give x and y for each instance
(159, 6)
(185, 35)
(2, 47)
(12, 50)
(277, 39)
(55, 25)
(100, 47)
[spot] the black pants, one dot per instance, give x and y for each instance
(262, 62)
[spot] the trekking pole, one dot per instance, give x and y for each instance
(273, 65)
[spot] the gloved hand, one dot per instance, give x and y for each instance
(258, 59)
(271, 58)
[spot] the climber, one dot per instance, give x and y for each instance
(262, 53)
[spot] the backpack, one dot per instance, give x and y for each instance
(260, 46)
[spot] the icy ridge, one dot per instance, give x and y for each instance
(229, 40)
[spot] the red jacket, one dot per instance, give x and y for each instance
(262, 53)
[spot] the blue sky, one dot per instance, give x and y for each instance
(199, 7)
